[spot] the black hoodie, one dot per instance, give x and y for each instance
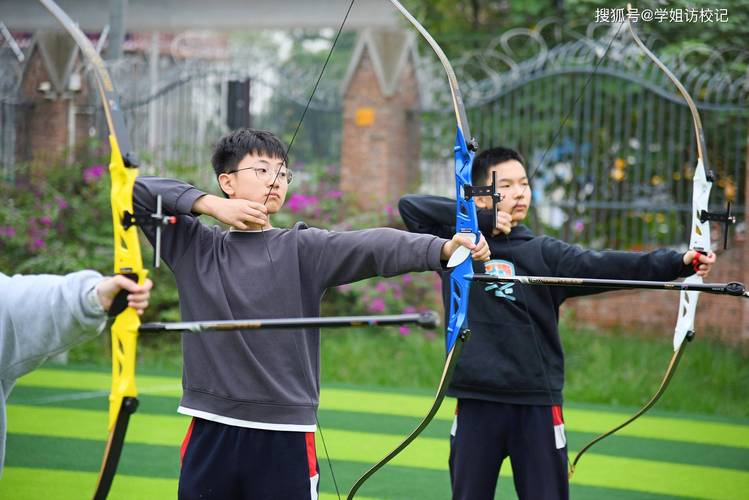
(514, 354)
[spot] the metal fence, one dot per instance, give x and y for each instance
(609, 143)
(179, 120)
(11, 110)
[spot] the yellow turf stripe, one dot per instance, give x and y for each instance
(96, 381)
(578, 420)
(597, 470)
(661, 477)
(90, 424)
(21, 483)
(658, 427)
(385, 403)
(426, 452)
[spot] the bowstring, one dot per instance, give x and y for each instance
(265, 241)
(521, 290)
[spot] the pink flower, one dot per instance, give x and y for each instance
(296, 202)
(92, 174)
(45, 220)
(61, 203)
(407, 278)
(299, 202)
(409, 310)
(377, 305)
(381, 287)
(404, 330)
(37, 244)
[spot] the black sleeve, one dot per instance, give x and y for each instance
(573, 261)
(436, 215)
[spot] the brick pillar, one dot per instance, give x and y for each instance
(380, 144)
(53, 106)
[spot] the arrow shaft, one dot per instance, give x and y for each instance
(733, 288)
(429, 319)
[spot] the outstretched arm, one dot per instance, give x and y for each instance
(43, 315)
(435, 215)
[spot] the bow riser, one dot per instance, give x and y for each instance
(699, 240)
(127, 261)
(466, 221)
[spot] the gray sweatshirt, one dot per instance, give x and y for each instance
(266, 379)
(40, 316)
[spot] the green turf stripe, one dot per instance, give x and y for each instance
(668, 428)
(642, 475)
(631, 447)
(84, 455)
(97, 381)
(91, 400)
(86, 424)
(34, 452)
(580, 492)
(428, 453)
(725, 457)
(579, 420)
(29, 484)
(21, 483)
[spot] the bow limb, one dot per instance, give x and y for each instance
(127, 257)
(699, 240)
(447, 371)
(466, 221)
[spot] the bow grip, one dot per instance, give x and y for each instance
(696, 260)
(119, 303)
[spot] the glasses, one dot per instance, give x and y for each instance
(265, 174)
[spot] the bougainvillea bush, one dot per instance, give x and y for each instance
(58, 219)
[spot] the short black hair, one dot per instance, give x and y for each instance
(490, 157)
(234, 146)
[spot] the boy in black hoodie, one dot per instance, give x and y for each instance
(509, 378)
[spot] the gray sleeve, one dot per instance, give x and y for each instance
(43, 315)
(345, 257)
(177, 198)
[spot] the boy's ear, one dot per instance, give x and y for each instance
(226, 183)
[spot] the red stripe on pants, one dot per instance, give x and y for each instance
(311, 454)
(556, 413)
(186, 441)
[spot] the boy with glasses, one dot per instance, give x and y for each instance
(253, 395)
